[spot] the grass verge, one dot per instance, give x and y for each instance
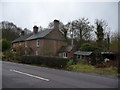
(83, 67)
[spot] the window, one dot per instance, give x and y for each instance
(36, 53)
(14, 45)
(20, 44)
(38, 43)
(25, 44)
(65, 55)
(78, 56)
(25, 52)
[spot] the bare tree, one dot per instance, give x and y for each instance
(82, 29)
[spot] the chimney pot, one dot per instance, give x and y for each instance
(35, 29)
(22, 33)
(56, 24)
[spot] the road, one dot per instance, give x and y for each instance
(25, 76)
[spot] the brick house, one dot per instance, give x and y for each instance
(46, 42)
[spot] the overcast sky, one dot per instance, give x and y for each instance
(28, 14)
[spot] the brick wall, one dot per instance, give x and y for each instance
(18, 44)
(47, 47)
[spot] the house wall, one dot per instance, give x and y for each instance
(71, 53)
(18, 44)
(55, 34)
(49, 45)
(53, 42)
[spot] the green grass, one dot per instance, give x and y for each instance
(1, 54)
(82, 67)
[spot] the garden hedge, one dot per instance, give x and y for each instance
(48, 61)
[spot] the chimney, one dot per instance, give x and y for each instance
(35, 29)
(56, 24)
(22, 33)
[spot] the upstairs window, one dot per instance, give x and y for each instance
(37, 43)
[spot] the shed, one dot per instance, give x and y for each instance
(82, 55)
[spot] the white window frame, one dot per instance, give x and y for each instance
(79, 57)
(20, 44)
(25, 52)
(25, 44)
(38, 43)
(65, 55)
(36, 53)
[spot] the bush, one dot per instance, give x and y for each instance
(48, 61)
(7, 56)
(5, 44)
(108, 64)
(70, 62)
(89, 47)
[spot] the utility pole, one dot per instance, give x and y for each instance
(71, 32)
(108, 41)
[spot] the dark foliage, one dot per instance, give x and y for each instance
(96, 58)
(8, 34)
(113, 63)
(5, 44)
(10, 31)
(48, 61)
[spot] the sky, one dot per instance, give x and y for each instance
(27, 14)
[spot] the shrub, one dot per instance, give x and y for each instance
(89, 47)
(112, 63)
(5, 44)
(70, 62)
(48, 61)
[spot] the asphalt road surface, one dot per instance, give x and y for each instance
(25, 76)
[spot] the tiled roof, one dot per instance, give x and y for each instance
(83, 53)
(66, 48)
(33, 36)
(40, 34)
(22, 38)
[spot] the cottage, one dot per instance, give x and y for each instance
(46, 42)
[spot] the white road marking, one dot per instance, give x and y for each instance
(30, 75)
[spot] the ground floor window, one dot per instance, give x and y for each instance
(78, 57)
(36, 53)
(25, 52)
(65, 55)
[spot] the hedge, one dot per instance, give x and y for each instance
(48, 61)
